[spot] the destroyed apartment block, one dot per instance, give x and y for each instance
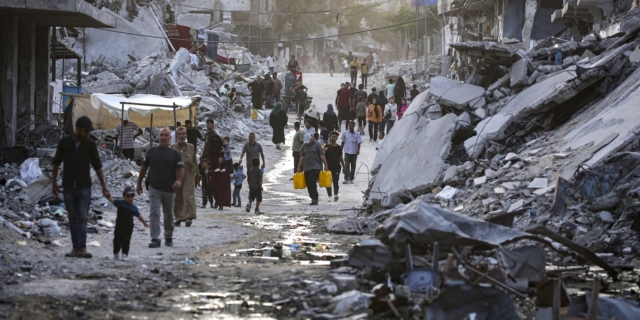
(550, 148)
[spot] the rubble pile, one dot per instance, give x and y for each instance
(432, 263)
(541, 142)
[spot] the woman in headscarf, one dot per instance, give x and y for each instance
(400, 90)
(220, 181)
(382, 101)
(330, 119)
(278, 121)
(184, 206)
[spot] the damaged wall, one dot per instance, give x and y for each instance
(99, 45)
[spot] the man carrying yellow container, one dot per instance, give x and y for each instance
(333, 153)
(311, 160)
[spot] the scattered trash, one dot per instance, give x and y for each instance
(93, 244)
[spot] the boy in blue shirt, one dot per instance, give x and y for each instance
(238, 178)
(124, 222)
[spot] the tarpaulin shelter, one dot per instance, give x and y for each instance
(146, 110)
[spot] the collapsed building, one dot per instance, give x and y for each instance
(538, 138)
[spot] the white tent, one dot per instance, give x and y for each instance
(151, 103)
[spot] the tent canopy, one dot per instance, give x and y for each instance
(105, 110)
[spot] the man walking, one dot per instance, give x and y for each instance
(293, 63)
(268, 92)
(79, 154)
(354, 66)
(333, 153)
(257, 92)
(271, 62)
(130, 132)
(296, 145)
(311, 160)
(277, 87)
(349, 57)
(193, 134)
(332, 64)
(166, 171)
(351, 141)
(343, 101)
(253, 150)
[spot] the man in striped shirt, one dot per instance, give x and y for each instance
(130, 132)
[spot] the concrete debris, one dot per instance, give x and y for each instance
(453, 93)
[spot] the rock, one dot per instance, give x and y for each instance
(481, 113)
(606, 217)
(533, 77)
(560, 155)
(518, 74)
(453, 93)
(489, 173)
(497, 94)
(464, 119)
(479, 181)
(450, 175)
(478, 103)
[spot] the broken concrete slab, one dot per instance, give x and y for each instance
(453, 93)
(478, 103)
(609, 124)
(516, 206)
(450, 175)
(518, 73)
(538, 183)
(489, 128)
(433, 137)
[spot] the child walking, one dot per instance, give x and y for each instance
(254, 178)
(205, 175)
(238, 179)
(124, 222)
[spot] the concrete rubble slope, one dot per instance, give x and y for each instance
(617, 115)
(420, 146)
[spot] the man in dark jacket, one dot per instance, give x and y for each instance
(79, 154)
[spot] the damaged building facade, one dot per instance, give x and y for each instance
(27, 53)
(525, 23)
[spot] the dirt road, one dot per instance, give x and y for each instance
(228, 264)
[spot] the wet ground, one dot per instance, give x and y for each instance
(229, 264)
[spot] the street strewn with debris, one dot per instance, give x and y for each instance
(503, 180)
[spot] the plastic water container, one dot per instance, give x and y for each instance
(299, 181)
(325, 179)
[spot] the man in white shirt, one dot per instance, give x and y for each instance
(351, 141)
(271, 63)
(308, 128)
(173, 133)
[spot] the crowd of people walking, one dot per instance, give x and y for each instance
(172, 170)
